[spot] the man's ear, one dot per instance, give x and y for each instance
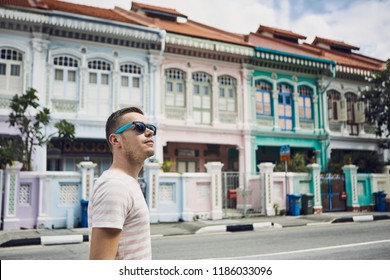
(113, 138)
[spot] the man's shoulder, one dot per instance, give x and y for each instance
(114, 178)
(116, 175)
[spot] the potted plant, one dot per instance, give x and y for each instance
(166, 166)
(276, 208)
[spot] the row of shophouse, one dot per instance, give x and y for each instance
(215, 96)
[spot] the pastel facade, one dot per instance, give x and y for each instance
(215, 96)
(338, 114)
(83, 66)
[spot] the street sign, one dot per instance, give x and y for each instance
(285, 153)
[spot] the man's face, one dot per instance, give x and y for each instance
(136, 145)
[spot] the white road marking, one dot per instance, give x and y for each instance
(307, 250)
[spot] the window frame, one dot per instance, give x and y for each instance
(263, 89)
(176, 79)
(305, 94)
(229, 86)
(12, 59)
(287, 100)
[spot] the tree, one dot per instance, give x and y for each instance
(377, 98)
(9, 151)
(30, 119)
(366, 161)
(295, 164)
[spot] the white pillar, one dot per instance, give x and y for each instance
(12, 183)
(350, 172)
(87, 178)
(315, 186)
(152, 178)
(267, 184)
(215, 171)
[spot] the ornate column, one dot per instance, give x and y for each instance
(215, 171)
(275, 104)
(246, 112)
(87, 178)
(40, 46)
(267, 184)
(215, 99)
(11, 193)
(153, 99)
(152, 178)
(116, 80)
(189, 90)
(84, 81)
(315, 186)
(350, 172)
(295, 95)
(315, 113)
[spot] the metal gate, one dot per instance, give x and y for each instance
(333, 193)
(240, 190)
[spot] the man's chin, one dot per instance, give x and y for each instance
(150, 153)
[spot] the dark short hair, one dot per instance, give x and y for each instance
(114, 121)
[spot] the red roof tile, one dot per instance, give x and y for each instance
(84, 10)
(196, 29)
(280, 32)
(66, 7)
(20, 3)
(335, 43)
(135, 6)
(189, 28)
(342, 58)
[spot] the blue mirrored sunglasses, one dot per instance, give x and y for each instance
(139, 127)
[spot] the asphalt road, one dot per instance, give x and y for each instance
(344, 241)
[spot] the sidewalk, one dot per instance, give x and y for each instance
(79, 235)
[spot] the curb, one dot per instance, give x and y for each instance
(234, 228)
(47, 240)
(252, 227)
(363, 218)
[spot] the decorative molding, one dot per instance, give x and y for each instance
(84, 24)
(208, 45)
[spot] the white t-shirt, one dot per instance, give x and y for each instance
(117, 202)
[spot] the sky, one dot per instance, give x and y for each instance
(361, 23)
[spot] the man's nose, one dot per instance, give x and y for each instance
(148, 132)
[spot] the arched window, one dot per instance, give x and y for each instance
(305, 103)
(202, 97)
(227, 93)
(175, 88)
(11, 81)
(131, 85)
(99, 98)
(263, 98)
(285, 106)
(65, 77)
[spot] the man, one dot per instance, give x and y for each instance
(118, 217)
